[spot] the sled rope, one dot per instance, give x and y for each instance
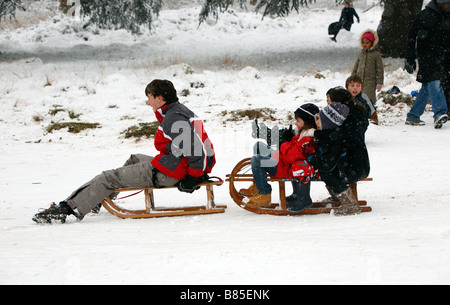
(129, 195)
(245, 170)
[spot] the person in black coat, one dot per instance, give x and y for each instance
(445, 81)
(428, 41)
(343, 158)
(346, 20)
(347, 14)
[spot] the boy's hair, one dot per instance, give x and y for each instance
(341, 95)
(353, 79)
(164, 87)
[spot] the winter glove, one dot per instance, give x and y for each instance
(189, 183)
(410, 66)
(302, 170)
(286, 134)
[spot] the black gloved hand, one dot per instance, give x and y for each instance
(189, 183)
(286, 134)
(410, 66)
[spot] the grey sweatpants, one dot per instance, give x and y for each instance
(136, 172)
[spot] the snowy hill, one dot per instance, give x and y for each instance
(52, 70)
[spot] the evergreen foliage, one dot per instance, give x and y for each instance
(278, 8)
(8, 8)
(213, 7)
(121, 14)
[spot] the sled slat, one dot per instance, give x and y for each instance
(152, 211)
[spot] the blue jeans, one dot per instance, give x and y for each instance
(429, 91)
(263, 164)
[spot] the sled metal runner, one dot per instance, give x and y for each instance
(151, 210)
(239, 174)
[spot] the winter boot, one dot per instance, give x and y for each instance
(374, 118)
(349, 204)
(440, 121)
(416, 122)
(292, 198)
(303, 198)
(251, 191)
(332, 197)
(55, 212)
(260, 200)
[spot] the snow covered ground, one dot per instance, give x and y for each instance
(240, 62)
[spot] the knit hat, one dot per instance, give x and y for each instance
(307, 112)
(369, 36)
(333, 115)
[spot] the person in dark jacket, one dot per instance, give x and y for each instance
(445, 81)
(343, 158)
(346, 20)
(185, 156)
(428, 42)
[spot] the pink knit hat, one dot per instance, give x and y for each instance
(369, 36)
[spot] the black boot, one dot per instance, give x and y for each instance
(292, 198)
(303, 198)
(55, 212)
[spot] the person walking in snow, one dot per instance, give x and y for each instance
(186, 156)
(346, 19)
(341, 157)
(428, 41)
(279, 164)
(369, 67)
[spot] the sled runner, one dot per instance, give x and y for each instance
(240, 174)
(152, 211)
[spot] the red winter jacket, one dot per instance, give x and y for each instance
(183, 143)
(289, 152)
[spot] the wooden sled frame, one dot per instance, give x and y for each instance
(239, 174)
(151, 210)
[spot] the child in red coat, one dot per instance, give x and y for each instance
(279, 163)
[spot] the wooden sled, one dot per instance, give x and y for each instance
(151, 210)
(240, 174)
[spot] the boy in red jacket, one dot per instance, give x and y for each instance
(279, 163)
(185, 156)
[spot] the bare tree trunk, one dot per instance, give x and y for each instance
(394, 25)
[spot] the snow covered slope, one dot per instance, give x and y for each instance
(239, 62)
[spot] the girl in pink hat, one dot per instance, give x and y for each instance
(369, 67)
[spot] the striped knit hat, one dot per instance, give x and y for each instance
(333, 115)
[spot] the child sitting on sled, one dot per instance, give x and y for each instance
(279, 163)
(341, 157)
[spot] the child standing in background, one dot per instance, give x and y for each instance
(369, 67)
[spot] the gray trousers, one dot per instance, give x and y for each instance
(136, 172)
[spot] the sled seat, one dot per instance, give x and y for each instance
(320, 207)
(152, 211)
